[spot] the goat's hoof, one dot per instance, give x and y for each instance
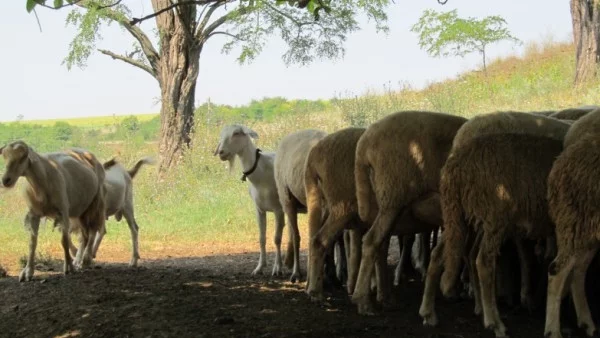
(590, 330)
(499, 330)
(295, 277)
(430, 319)
(133, 263)
(258, 270)
(315, 296)
(364, 304)
(552, 334)
(277, 271)
(26, 275)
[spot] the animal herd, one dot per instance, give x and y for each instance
(526, 178)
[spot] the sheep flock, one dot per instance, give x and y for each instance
(475, 204)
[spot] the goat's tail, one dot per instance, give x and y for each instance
(455, 228)
(146, 160)
(108, 164)
(314, 199)
(364, 190)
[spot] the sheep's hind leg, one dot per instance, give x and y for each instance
(559, 272)
(279, 225)
(432, 281)
(582, 308)
(525, 264)
(486, 268)
(354, 256)
(261, 217)
(319, 244)
(405, 244)
(372, 242)
(32, 223)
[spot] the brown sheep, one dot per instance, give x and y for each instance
(331, 191)
(60, 185)
(289, 168)
(573, 197)
(573, 114)
(398, 161)
(497, 183)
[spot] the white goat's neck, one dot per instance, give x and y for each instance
(36, 174)
(247, 156)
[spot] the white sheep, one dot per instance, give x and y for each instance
(60, 185)
(290, 163)
(236, 140)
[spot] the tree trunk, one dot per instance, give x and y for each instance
(177, 75)
(586, 36)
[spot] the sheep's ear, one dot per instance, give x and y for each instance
(250, 132)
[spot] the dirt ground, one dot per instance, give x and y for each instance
(215, 296)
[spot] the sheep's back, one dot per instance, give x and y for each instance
(290, 160)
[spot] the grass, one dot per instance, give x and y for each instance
(94, 121)
(202, 209)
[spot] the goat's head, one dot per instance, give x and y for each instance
(233, 139)
(17, 157)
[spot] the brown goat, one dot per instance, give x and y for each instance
(61, 186)
(398, 162)
(573, 197)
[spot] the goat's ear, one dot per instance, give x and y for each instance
(250, 132)
(1, 148)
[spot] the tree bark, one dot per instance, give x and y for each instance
(586, 36)
(177, 75)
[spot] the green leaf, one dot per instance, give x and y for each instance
(58, 3)
(29, 5)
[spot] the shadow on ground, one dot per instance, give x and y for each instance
(216, 297)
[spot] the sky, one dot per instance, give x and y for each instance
(35, 84)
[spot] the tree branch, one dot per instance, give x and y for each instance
(217, 23)
(206, 18)
(145, 43)
(75, 3)
(224, 33)
(130, 61)
(135, 21)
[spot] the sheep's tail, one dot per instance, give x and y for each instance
(364, 190)
(146, 160)
(314, 199)
(108, 164)
(455, 228)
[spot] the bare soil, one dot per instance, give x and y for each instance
(215, 296)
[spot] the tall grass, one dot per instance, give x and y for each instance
(201, 208)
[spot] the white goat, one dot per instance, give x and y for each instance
(236, 140)
(119, 202)
(63, 186)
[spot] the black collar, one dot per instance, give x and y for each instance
(249, 172)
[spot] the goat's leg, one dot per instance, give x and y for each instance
(279, 225)
(292, 214)
(66, 228)
(100, 235)
(559, 272)
(261, 218)
(404, 261)
(424, 253)
(133, 229)
(525, 264)
(432, 281)
(32, 223)
(355, 248)
(384, 288)
(486, 268)
(582, 308)
(372, 241)
(341, 263)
